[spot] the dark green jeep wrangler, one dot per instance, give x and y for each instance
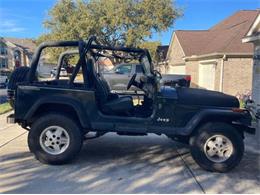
(59, 113)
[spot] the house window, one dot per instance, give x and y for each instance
(3, 62)
(207, 72)
(177, 69)
(3, 49)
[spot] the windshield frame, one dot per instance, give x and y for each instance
(145, 62)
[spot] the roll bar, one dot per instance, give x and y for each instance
(37, 54)
(83, 47)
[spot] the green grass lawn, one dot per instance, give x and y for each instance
(5, 108)
(242, 104)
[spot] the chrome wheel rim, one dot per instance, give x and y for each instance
(218, 148)
(54, 140)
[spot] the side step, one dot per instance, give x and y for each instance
(131, 134)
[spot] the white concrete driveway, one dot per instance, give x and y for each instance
(3, 92)
(117, 164)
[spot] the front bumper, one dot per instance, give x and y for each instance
(246, 122)
(250, 129)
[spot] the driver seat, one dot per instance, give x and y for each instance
(108, 103)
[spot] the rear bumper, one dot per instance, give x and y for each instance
(10, 119)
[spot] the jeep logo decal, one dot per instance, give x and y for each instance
(165, 120)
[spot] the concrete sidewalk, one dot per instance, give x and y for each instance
(121, 164)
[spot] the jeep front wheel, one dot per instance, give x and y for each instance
(55, 139)
(217, 147)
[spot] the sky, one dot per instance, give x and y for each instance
(24, 18)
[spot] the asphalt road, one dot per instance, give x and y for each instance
(121, 164)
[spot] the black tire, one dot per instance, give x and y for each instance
(69, 125)
(18, 75)
(205, 132)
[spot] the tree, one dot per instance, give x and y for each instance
(152, 47)
(114, 22)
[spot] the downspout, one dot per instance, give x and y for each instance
(222, 73)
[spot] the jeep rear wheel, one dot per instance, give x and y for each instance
(217, 147)
(18, 75)
(55, 139)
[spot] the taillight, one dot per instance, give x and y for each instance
(188, 78)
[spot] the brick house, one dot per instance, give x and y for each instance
(15, 52)
(215, 58)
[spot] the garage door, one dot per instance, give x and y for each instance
(207, 76)
(177, 69)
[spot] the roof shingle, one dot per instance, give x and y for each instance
(224, 37)
(27, 44)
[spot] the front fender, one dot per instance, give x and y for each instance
(239, 118)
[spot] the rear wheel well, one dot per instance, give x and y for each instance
(63, 109)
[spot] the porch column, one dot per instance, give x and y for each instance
(256, 73)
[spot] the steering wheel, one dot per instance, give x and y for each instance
(158, 74)
(131, 82)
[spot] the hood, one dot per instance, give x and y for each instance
(202, 97)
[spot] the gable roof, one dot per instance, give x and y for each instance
(27, 44)
(224, 37)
